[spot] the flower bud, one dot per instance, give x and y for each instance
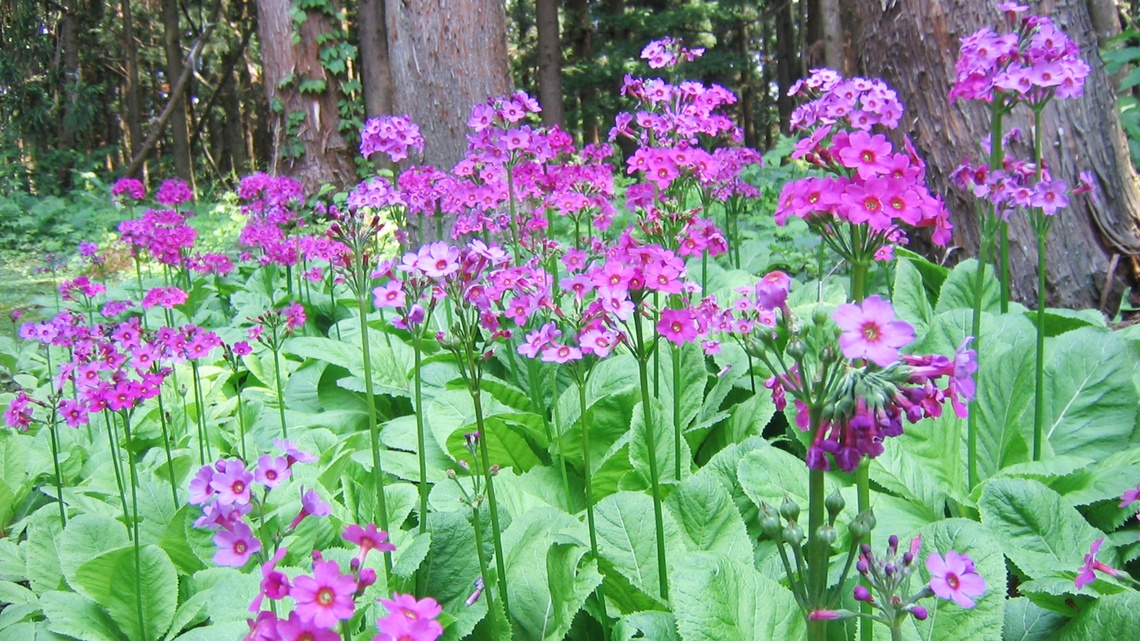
(367, 577)
(862, 594)
(826, 533)
(793, 534)
(797, 349)
(834, 504)
(789, 509)
(820, 316)
(919, 612)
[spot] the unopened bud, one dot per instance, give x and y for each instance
(826, 533)
(789, 509)
(367, 577)
(797, 349)
(919, 612)
(793, 534)
(862, 594)
(819, 316)
(834, 504)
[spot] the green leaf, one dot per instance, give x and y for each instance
(958, 290)
(651, 625)
(627, 538)
(215, 632)
(88, 535)
(693, 376)
(312, 85)
(1036, 529)
(664, 447)
(548, 577)
(41, 553)
(709, 520)
(1110, 617)
(717, 599)
(910, 297)
(75, 616)
(1026, 621)
(452, 414)
(768, 474)
(111, 581)
(1090, 407)
(452, 565)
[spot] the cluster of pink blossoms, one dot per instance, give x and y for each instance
(390, 135)
(173, 193)
(163, 233)
(669, 52)
(870, 183)
(1032, 64)
(132, 187)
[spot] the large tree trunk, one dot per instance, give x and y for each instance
(447, 55)
(131, 81)
(323, 156)
(69, 44)
(375, 65)
(549, 62)
(581, 36)
(825, 35)
(180, 132)
(913, 46)
(787, 63)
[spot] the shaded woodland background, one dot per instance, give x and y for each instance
(210, 90)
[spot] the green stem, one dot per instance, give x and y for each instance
(817, 551)
(896, 631)
(116, 463)
(677, 412)
(976, 330)
(58, 474)
(421, 441)
(166, 446)
(557, 427)
(135, 523)
(373, 425)
(280, 394)
(241, 423)
(511, 211)
(200, 406)
(1039, 378)
(484, 569)
(996, 161)
(654, 482)
(586, 472)
(863, 472)
(492, 502)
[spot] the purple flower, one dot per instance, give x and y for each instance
(954, 578)
(232, 485)
(326, 597)
(871, 331)
(1088, 572)
(235, 545)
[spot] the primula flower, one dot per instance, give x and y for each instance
(326, 597)
(296, 629)
(954, 578)
(232, 484)
(235, 545)
(1088, 572)
(678, 325)
(274, 584)
(871, 331)
(311, 505)
(271, 471)
(368, 538)
(409, 619)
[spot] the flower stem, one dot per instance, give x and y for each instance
(162, 419)
(373, 425)
(421, 441)
(996, 113)
(484, 569)
(863, 472)
(116, 463)
(280, 395)
(817, 551)
(1039, 378)
(677, 412)
(492, 502)
(557, 427)
(52, 428)
(586, 471)
(654, 482)
(200, 406)
(135, 523)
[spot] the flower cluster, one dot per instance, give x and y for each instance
(1033, 63)
(390, 135)
(173, 193)
(132, 187)
(163, 233)
(669, 52)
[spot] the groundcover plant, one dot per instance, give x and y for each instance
(579, 393)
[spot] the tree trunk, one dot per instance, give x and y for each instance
(69, 43)
(549, 63)
(581, 37)
(913, 46)
(131, 84)
(179, 130)
(831, 27)
(375, 63)
(447, 55)
(306, 139)
(787, 66)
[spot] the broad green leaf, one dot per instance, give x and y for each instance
(1036, 529)
(88, 535)
(1090, 407)
(768, 474)
(111, 581)
(189, 612)
(611, 394)
(709, 520)
(627, 538)
(915, 464)
(1026, 621)
(717, 599)
(452, 414)
(452, 565)
(958, 290)
(41, 552)
(664, 451)
(548, 579)
(231, 593)
(655, 625)
(910, 297)
(1102, 480)
(75, 616)
(1110, 617)
(1060, 320)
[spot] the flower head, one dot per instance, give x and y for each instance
(1088, 572)
(954, 578)
(871, 331)
(325, 597)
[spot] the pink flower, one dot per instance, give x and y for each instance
(271, 471)
(274, 584)
(390, 294)
(558, 353)
(326, 597)
(1130, 496)
(311, 505)
(368, 538)
(871, 331)
(678, 325)
(200, 490)
(954, 578)
(1088, 571)
(235, 545)
(772, 290)
(409, 619)
(296, 629)
(232, 485)
(868, 155)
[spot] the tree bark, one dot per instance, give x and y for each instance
(787, 65)
(131, 84)
(325, 157)
(69, 44)
(549, 63)
(831, 26)
(913, 46)
(447, 55)
(375, 62)
(179, 130)
(581, 36)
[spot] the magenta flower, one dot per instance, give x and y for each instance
(954, 578)
(311, 505)
(235, 545)
(292, 453)
(871, 331)
(772, 290)
(271, 471)
(678, 325)
(868, 155)
(296, 629)
(1088, 572)
(326, 597)
(409, 619)
(368, 538)
(274, 584)
(1130, 496)
(232, 485)
(200, 490)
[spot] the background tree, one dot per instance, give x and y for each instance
(913, 45)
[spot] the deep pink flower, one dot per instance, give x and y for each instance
(557, 353)
(678, 325)
(235, 545)
(1088, 572)
(868, 155)
(292, 453)
(772, 290)
(326, 597)
(232, 485)
(368, 538)
(311, 505)
(954, 578)
(274, 584)
(1130, 496)
(871, 331)
(296, 629)
(409, 619)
